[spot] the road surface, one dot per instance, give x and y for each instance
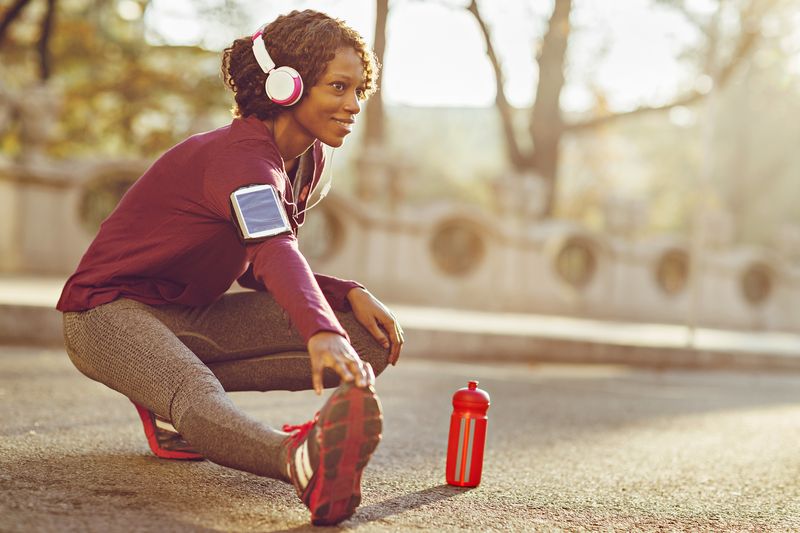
(570, 447)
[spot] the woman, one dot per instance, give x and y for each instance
(147, 312)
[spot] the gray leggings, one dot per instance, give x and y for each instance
(179, 361)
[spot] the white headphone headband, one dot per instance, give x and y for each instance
(260, 51)
(283, 85)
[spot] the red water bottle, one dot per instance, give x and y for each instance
(467, 436)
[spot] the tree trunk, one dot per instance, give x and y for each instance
(546, 122)
(546, 126)
(44, 39)
(375, 121)
(373, 177)
(8, 17)
(518, 160)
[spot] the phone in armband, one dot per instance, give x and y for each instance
(259, 212)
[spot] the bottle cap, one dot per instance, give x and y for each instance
(472, 398)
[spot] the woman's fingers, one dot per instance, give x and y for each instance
(365, 376)
(356, 366)
(316, 375)
(330, 350)
(341, 367)
(347, 364)
(399, 339)
(336, 362)
(375, 330)
(370, 374)
(336, 353)
(395, 332)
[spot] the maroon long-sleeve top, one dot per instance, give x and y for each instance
(173, 239)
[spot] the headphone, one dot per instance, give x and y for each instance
(284, 85)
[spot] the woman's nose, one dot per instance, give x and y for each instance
(353, 104)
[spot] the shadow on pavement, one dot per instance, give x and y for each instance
(101, 491)
(407, 502)
(391, 507)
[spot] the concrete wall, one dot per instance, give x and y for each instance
(444, 255)
(393, 255)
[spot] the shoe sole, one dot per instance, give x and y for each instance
(150, 429)
(351, 424)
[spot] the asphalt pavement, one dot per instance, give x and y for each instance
(570, 447)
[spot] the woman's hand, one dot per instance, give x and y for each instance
(378, 320)
(331, 350)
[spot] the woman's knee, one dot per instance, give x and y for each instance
(369, 349)
(76, 346)
(378, 360)
(81, 364)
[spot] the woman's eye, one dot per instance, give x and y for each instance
(361, 94)
(339, 86)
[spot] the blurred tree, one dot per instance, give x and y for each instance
(119, 94)
(9, 15)
(375, 114)
(547, 126)
(45, 29)
(755, 164)
(372, 172)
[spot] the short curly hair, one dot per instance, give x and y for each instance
(305, 40)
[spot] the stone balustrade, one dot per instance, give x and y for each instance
(443, 254)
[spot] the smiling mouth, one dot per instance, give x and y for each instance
(346, 125)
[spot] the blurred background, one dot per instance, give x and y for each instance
(624, 160)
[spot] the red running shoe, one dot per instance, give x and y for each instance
(164, 440)
(325, 456)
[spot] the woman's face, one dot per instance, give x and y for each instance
(329, 110)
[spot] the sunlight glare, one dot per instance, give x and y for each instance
(129, 10)
(627, 51)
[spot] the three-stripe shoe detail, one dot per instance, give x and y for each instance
(302, 465)
(326, 456)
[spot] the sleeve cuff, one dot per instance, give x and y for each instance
(335, 291)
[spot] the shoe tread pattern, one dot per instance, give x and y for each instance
(350, 432)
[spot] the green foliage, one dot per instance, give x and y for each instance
(120, 96)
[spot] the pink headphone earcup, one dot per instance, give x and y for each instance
(284, 86)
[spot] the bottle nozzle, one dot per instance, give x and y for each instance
(472, 385)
